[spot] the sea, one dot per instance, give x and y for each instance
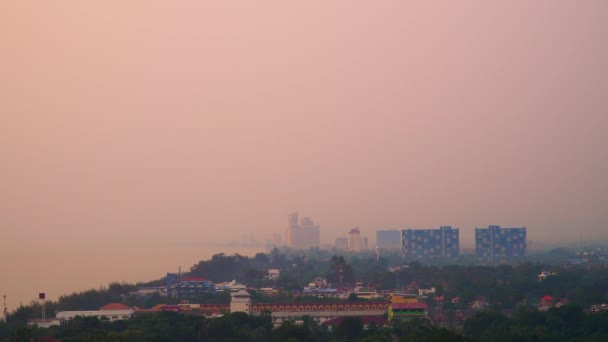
(60, 270)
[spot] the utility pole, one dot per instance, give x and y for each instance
(5, 310)
(42, 298)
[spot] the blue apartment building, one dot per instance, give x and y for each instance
(430, 243)
(494, 244)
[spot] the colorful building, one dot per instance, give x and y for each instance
(407, 310)
(403, 298)
(188, 287)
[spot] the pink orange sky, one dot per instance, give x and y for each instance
(195, 121)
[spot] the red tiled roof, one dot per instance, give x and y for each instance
(170, 308)
(324, 303)
(114, 306)
(546, 298)
(409, 306)
(138, 311)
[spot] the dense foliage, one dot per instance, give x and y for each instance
(568, 323)
(171, 326)
(506, 288)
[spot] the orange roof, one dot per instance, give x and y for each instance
(114, 306)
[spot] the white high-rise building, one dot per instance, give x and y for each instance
(354, 240)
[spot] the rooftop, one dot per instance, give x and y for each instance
(114, 306)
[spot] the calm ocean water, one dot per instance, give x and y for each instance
(58, 270)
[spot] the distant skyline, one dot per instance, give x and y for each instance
(147, 122)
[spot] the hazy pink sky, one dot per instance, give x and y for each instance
(192, 121)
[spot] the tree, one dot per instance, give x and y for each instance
(340, 271)
(485, 321)
(350, 329)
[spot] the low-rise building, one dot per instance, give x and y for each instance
(147, 292)
(43, 323)
(599, 307)
(426, 292)
(546, 303)
(544, 275)
(231, 286)
(407, 310)
(480, 303)
(320, 312)
(397, 297)
(188, 287)
(321, 292)
(111, 312)
(240, 301)
(273, 273)
(366, 293)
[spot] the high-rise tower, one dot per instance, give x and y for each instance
(302, 233)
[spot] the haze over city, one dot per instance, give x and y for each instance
(148, 123)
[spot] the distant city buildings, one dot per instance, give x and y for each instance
(430, 243)
(353, 243)
(388, 239)
(302, 233)
(356, 243)
(342, 243)
(500, 244)
(354, 240)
